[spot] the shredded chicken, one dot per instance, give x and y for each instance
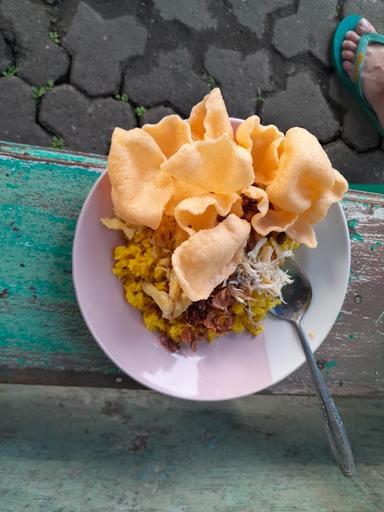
(261, 270)
(222, 299)
(219, 322)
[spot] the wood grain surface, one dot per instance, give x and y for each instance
(43, 339)
(97, 450)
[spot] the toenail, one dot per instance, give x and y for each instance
(364, 23)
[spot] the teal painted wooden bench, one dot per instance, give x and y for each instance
(82, 449)
(43, 338)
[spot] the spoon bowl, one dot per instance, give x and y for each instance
(297, 295)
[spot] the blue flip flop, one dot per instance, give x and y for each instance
(355, 86)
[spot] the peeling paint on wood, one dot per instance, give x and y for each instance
(356, 342)
(42, 336)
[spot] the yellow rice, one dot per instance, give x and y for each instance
(147, 257)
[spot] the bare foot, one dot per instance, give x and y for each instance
(373, 70)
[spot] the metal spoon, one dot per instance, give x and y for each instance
(297, 298)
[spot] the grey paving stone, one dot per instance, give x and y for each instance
(172, 79)
(5, 54)
(357, 130)
(155, 114)
(194, 13)
(98, 46)
(301, 104)
(84, 124)
(252, 13)
(310, 30)
(356, 167)
(18, 114)
(373, 10)
(241, 78)
(65, 10)
(38, 58)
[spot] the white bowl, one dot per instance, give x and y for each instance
(234, 365)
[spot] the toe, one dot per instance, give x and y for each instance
(349, 45)
(348, 68)
(352, 36)
(347, 55)
(364, 26)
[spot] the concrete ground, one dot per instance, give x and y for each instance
(66, 449)
(71, 70)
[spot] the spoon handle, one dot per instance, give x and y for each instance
(333, 423)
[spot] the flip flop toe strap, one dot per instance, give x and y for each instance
(361, 52)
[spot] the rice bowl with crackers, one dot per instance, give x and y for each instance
(209, 216)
